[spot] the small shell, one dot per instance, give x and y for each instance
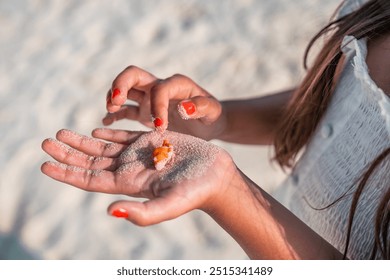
(162, 155)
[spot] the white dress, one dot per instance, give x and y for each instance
(354, 131)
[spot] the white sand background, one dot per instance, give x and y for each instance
(58, 59)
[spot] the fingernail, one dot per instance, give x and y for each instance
(116, 92)
(120, 213)
(189, 107)
(157, 122)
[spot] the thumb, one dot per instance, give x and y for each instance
(150, 212)
(205, 108)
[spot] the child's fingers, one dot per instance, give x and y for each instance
(205, 108)
(116, 135)
(133, 94)
(130, 112)
(130, 78)
(88, 145)
(86, 179)
(67, 155)
(175, 87)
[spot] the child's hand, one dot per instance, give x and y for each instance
(163, 102)
(196, 177)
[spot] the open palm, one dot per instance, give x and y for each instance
(124, 165)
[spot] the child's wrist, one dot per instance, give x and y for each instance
(222, 124)
(232, 184)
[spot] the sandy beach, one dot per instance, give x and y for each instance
(58, 59)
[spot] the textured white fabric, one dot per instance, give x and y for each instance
(350, 6)
(353, 132)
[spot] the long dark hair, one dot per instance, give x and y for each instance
(311, 99)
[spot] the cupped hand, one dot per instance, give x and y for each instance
(176, 102)
(197, 174)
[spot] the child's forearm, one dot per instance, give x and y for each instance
(253, 121)
(263, 227)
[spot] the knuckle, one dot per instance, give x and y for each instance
(180, 77)
(158, 86)
(132, 68)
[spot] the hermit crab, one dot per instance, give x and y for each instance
(162, 155)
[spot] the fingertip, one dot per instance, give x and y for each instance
(112, 108)
(100, 132)
(118, 209)
(117, 97)
(159, 124)
(107, 120)
(129, 210)
(50, 144)
(187, 109)
(119, 213)
(44, 167)
(95, 132)
(66, 133)
(50, 168)
(206, 108)
(115, 92)
(44, 143)
(61, 132)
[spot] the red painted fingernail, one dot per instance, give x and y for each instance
(116, 92)
(120, 213)
(158, 122)
(189, 107)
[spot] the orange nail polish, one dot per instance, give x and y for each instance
(158, 122)
(116, 92)
(189, 107)
(120, 213)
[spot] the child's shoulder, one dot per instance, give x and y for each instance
(378, 62)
